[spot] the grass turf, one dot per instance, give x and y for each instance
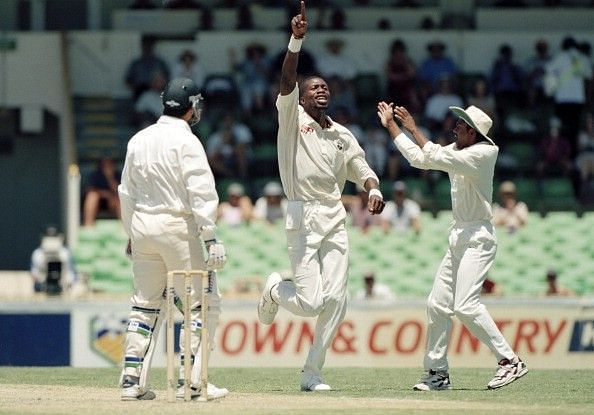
(541, 391)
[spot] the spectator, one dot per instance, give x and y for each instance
(356, 207)
(555, 153)
(142, 5)
(149, 106)
(52, 266)
(506, 81)
(535, 71)
(585, 158)
(398, 165)
(338, 19)
(401, 75)
(509, 213)
(182, 4)
(438, 104)
(553, 286)
(586, 49)
(189, 66)
(334, 63)
(228, 148)
(481, 97)
(566, 76)
(245, 20)
(140, 72)
(237, 209)
(384, 24)
(427, 23)
(435, 67)
(376, 144)
(306, 66)
(254, 75)
(373, 290)
(401, 213)
(102, 192)
(272, 206)
(491, 288)
(407, 3)
(343, 98)
(207, 19)
(374, 141)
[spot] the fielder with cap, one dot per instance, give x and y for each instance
(169, 204)
(316, 156)
(470, 164)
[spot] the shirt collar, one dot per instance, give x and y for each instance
(310, 121)
(167, 119)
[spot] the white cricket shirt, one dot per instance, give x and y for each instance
(315, 163)
(471, 173)
(166, 171)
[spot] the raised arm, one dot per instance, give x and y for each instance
(289, 70)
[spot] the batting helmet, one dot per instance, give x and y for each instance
(179, 95)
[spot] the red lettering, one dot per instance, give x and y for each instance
(401, 336)
(343, 343)
(527, 330)
(243, 337)
(374, 330)
(277, 342)
(466, 335)
(501, 324)
(553, 336)
(305, 335)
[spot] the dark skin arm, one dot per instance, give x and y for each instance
(287, 84)
(375, 205)
(289, 70)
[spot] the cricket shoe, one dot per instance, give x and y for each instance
(267, 308)
(131, 390)
(313, 383)
(434, 381)
(213, 391)
(507, 372)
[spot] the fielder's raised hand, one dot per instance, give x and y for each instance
(385, 112)
(405, 118)
(299, 23)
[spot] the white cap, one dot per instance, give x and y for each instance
(273, 189)
(476, 118)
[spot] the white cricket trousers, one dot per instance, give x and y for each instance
(318, 250)
(162, 243)
(456, 291)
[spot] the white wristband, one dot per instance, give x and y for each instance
(295, 44)
(376, 192)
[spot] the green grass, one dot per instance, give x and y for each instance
(357, 390)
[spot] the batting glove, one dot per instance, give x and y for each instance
(217, 258)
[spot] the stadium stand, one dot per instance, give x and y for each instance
(407, 263)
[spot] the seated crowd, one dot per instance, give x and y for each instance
(545, 102)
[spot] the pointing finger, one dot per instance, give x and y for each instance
(303, 10)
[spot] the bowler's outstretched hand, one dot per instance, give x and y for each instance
(299, 23)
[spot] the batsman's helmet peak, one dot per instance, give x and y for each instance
(180, 94)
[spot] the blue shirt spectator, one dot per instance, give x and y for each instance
(437, 65)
